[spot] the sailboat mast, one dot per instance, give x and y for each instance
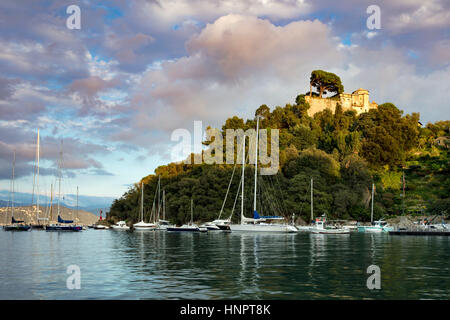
(164, 204)
(256, 162)
(12, 182)
(37, 178)
(51, 202)
(142, 201)
(159, 196)
(371, 210)
(243, 176)
(77, 204)
(403, 195)
(192, 214)
(312, 201)
(59, 178)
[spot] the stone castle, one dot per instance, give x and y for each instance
(358, 100)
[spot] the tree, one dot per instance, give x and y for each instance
(325, 82)
(387, 136)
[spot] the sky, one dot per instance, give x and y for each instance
(115, 90)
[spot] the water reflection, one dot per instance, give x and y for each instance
(162, 265)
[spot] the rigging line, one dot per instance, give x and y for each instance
(277, 180)
(268, 196)
(235, 199)
(228, 189)
(153, 214)
(275, 202)
(10, 204)
(282, 199)
(279, 201)
(239, 188)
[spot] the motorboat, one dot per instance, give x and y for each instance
(320, 226)
(376, 227)
(121, 225)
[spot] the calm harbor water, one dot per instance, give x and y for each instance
(162, 265)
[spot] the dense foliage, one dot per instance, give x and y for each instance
(343, 153)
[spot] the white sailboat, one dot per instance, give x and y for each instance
(376, 226)
(143, 225)
(256, 224)
(309, 227)
(190, 227)
(16, 225)
(320, 224)
(222, 224)
(62, 225)
(162, 224)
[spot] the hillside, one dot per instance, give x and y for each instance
(28, 214)
(343, 152)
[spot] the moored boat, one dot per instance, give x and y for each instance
(257, 223)
(121, 225)
(64, 225)
(142, 225)
(189, 227)
(16, 225)
(320, 226)
(376, 226)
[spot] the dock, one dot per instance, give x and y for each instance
(420, 233)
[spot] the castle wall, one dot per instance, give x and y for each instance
(358, 101)
(320, 104)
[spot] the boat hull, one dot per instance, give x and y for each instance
(38, 227)
(120, 228)
(64, 228)
(374, 229)
(16, 228)
(330, 231)
(176, 229)
(145, 228)
(273, 228)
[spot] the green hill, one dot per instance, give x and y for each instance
(343, 153)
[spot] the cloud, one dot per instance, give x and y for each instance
(236, 54)
(138, 70)
(238, 62)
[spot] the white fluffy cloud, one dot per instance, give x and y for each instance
(239, 62)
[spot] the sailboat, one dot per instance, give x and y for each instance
(308, 228)
(38, 226)
(161, 224)
(143, 225)
(376, 226)
(190, 227)
(62, 225)
(222, 224)
(320, 224)
(257, 223)
(16, 225)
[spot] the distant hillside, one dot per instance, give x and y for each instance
(28, 214)
(88, 203)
